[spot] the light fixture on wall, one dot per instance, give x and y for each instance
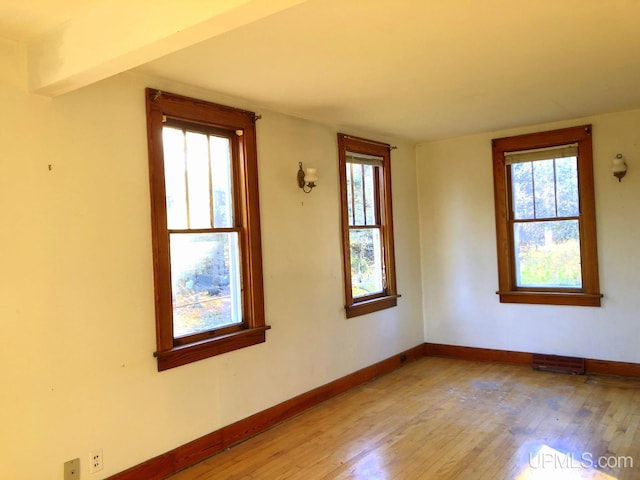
(306, 181)
(619, 168)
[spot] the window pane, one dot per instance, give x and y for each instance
(369, 195)
(349, 195)
(567, 189)
(366, 261)
(198, 180)
(522, 188)
(358, 204)
(174, 177)
(205, 281)
(547, 254)
(544, 189)
(221, 181)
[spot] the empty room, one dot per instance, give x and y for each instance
(320, 239)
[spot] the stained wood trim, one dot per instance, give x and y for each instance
(208, 117)
(189, 454)
(589, 295)
(372, 305)
(384, 209)
(192, 352)
(606, 367)
(600, 367)
(551, 298)
(187, 108)
(477, 354)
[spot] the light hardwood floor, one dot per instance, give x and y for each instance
(451, 419)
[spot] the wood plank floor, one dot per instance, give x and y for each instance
(451, 419)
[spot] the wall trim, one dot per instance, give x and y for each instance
(592, 366)
(169, 463)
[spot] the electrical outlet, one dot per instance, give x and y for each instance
(96, 461)
(72, 469)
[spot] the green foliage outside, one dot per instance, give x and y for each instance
(365, 271)
(556, 266)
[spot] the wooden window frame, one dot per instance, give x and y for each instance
(508, 291)
(173, 352)
(388, 298)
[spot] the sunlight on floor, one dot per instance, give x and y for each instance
(370, 468)
(547, 463)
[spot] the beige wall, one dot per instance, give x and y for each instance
(458, 247)
(76, 291)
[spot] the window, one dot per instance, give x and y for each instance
(367, 225)
(206, 228)
(545, 218)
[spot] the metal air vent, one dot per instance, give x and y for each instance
(556, 363)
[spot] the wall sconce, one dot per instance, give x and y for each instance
(307, 180)
(619, 168)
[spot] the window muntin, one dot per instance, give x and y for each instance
(545, 218)
(198, 180)
(206, 229)
(369, 264)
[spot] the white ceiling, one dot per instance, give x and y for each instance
(26, 20)
(418, 69)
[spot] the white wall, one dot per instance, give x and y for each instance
(76, 291)
(458, 246)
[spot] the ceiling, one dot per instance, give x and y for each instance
(417, 69)
(25, 20)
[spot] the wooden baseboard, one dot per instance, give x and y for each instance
(600, 367)
(606, 367)
(167, 464)
(477, 354)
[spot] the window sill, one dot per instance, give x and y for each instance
(552, 298)
(373, 305)
(193, 352)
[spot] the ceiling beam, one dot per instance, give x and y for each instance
(118, 35)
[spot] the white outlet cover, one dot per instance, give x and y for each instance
(96, 461)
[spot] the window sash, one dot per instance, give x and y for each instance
(562, 263)
(369, 199)
(182, 153)
(378, 277)
(221, 210)
(199, 303)
(569, 193)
